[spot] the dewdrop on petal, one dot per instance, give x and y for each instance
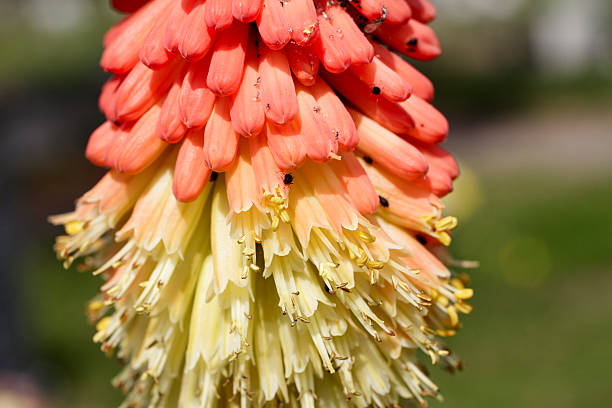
(267, 229)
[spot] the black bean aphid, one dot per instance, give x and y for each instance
(213, 176)
(376, 90)
(383, 201)
(421, 239)
(288, 179)
(368, 159)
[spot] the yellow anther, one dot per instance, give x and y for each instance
(463, 307)
(68, 262)
(457, 284)
(73, 227)
(446, 224)
(433, 356)
(275, 222)
(103, 323)
(284, 215)
(95, 306)
(464, 294)
(277, 200)
(442, 300)
(375, 264)
(366, 237)
(363, 257)
(452, 315)
(445, 333)
(444, 238)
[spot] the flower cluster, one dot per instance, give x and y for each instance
(270, 229)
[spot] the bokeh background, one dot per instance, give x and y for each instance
(527, 87)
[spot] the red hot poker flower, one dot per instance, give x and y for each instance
(267, 228)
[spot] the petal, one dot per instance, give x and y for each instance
(194, 38)
(398, 12)
(123, 46)
(410, 205)
(330, 47)
(142, 88)
(153, 53)
(422, 10)
(246, 10)
(358, 47)
(304, 63)
(106, 102)
(177, 19)
(227, 61)
(268, 175)
(277, 89)
(430, 125)
(218, 14)
(386, 81)
(337, 116)
(247, 110)
(414, 39)
(421, 85)
(115, 149)
(170, 128)
(443, 168)
(302, 18)
(391, 115)
(388, 150)
(273, 24)
(241, 183)
(317, 136)
(143, 146)
(196, 100)
(285, 145)
(99, 142)
(357, 184)
(190, 173)
(370, 9)
(220, 139)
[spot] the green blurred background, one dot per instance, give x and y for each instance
(527, 87)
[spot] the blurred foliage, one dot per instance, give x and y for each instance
(538, 340)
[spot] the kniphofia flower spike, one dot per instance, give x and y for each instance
(269, 228)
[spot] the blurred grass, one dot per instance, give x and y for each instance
(528, 343)
(539, 332)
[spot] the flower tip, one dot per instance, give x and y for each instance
(184, 193)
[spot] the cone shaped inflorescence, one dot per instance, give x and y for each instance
(270, 230)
